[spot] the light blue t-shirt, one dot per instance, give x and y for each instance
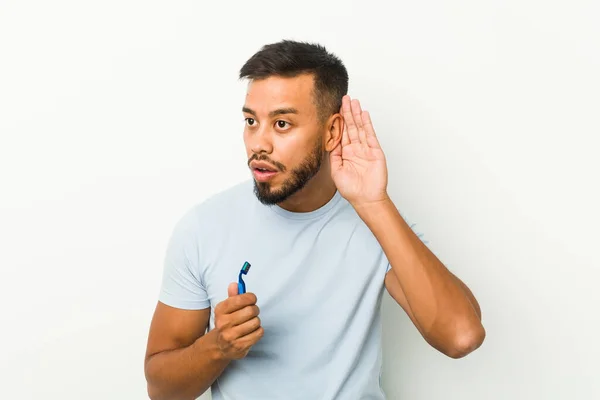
(318, 277)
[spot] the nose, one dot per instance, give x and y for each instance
(260, 141)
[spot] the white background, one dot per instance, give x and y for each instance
(117, 116)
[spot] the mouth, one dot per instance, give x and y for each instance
(263, 172)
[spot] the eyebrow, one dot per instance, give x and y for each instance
(279, 111)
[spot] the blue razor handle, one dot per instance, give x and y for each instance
(241, 283)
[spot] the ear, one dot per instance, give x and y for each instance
(335, 128)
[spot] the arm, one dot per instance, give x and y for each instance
(440, 305)
(181, 361)
(445, 313)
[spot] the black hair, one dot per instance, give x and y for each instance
(289, 58)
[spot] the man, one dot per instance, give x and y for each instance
(323, 239)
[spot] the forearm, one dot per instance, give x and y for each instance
(441, 306)
(470, 296)
(185, 373)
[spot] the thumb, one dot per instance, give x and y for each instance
(232, 289)
(335, 157)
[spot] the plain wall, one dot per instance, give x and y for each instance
(117, 116)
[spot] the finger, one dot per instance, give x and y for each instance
(235, 303)
(335, 157)
(345, 137)
(232, 289)
(349, 120)
(245, 314)
(357, 115)
(372, 140)
(247, 327)
(251, 338)
(367, 123)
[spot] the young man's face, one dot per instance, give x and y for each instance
(283, 136)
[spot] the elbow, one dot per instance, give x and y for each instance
(159, 391)
(153, 390)
(154, 393)
(466, 341)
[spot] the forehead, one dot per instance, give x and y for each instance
(274, 92)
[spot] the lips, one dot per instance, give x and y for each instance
(263, 171)
(262, 166)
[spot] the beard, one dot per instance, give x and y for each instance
(300, 176)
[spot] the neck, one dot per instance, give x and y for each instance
(317, 192)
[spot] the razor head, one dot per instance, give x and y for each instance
(245, 268)
(241, 283)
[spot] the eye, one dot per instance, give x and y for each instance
(282, 124)
(250, 121)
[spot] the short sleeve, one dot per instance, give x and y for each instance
(420, 235)
(181, 285)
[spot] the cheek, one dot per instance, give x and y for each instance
(245, 137)
(247, 144)
(291, 151)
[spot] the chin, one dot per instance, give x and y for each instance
(269, 194)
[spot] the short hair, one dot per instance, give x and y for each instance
(289, 58)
